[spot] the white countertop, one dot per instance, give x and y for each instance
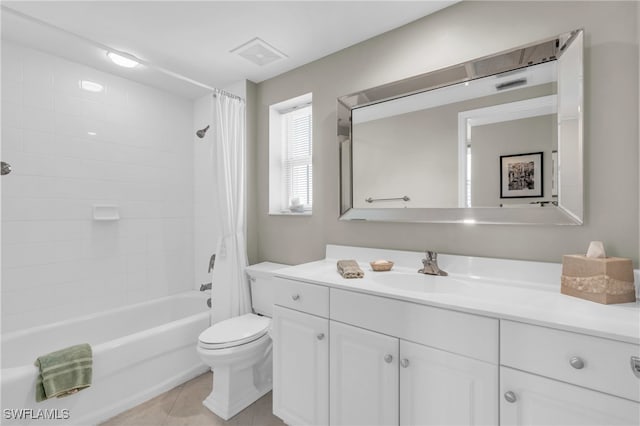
(506, 289)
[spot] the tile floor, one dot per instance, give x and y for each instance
(182, 406)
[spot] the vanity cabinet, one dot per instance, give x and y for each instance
(441, 388)
(528, 399)
(377, 379)
(363, 376)
(555, 377)
(300, 331)
(347, 358)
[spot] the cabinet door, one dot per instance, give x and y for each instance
(300, 367)
(441, 388)
(527, 399)
(363, 377)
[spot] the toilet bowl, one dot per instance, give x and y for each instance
(238, 350)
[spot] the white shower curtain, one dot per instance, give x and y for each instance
(230, 292)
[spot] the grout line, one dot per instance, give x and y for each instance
(173, 404)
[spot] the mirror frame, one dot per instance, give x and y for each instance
(542, 51)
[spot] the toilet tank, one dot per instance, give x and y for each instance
(262, 289)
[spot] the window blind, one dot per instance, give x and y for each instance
(298, 156)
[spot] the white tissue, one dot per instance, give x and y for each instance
(596, 250)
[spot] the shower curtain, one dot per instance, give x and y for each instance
(230, 292)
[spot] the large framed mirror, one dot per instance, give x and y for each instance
(494, 140)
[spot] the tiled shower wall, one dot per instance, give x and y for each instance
(129, 146)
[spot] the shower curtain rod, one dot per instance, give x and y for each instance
(216, 92)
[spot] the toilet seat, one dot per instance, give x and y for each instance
(234, 332)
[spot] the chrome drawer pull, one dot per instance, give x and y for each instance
(404, 362)
(577, 362)
(388, 358)
(295, 297)
(320, 336)
(510, 397)
(635, 365)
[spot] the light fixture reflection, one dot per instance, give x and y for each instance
(91, 86)
(122, 60)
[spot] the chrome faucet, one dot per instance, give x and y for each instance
(430, 265)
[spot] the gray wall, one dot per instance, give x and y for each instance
(490, 141)
(252, 175)
(464, 31)
(399, 155)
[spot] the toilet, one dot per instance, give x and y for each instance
(238, 350)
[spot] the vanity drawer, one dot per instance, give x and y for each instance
(471, 335)
(310, 298)
(588, 361)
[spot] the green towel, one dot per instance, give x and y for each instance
(64, 372)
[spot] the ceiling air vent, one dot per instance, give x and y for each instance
(511, 84)
(259, 52)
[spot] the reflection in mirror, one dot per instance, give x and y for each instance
(492, 142)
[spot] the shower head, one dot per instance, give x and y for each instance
(200, 133)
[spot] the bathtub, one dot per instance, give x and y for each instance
(139, 351)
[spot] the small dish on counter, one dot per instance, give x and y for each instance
(381, 265)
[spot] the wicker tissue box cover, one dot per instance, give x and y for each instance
(603, 280)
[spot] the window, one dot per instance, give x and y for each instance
(290, 156)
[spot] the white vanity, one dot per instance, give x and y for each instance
(493, 343)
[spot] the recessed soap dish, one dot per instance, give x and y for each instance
(381, 265)
(106, 212)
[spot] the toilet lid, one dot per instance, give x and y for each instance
(235, 331)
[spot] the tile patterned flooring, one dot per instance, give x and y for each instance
(182, 406)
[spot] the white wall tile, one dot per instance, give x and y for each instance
(38, 119)
(11, 90)
(56, 261)
(11, 58)
(12, 138)
(206, 230)
(37, 68)
(12, 114)
(38, 95)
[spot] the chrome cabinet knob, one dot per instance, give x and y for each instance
(404, 363)
(576, 362)
(510, 397)
(388, 358)
(295, 297)
(320, 336)
(5, 168)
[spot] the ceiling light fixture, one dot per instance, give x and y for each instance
(123, 61)
(91, 86)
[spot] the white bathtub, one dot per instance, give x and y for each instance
(139, 351)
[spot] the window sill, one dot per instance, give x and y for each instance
(288, 213)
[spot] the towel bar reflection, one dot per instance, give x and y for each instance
(403, 198)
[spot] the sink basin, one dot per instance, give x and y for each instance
(419, 282)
